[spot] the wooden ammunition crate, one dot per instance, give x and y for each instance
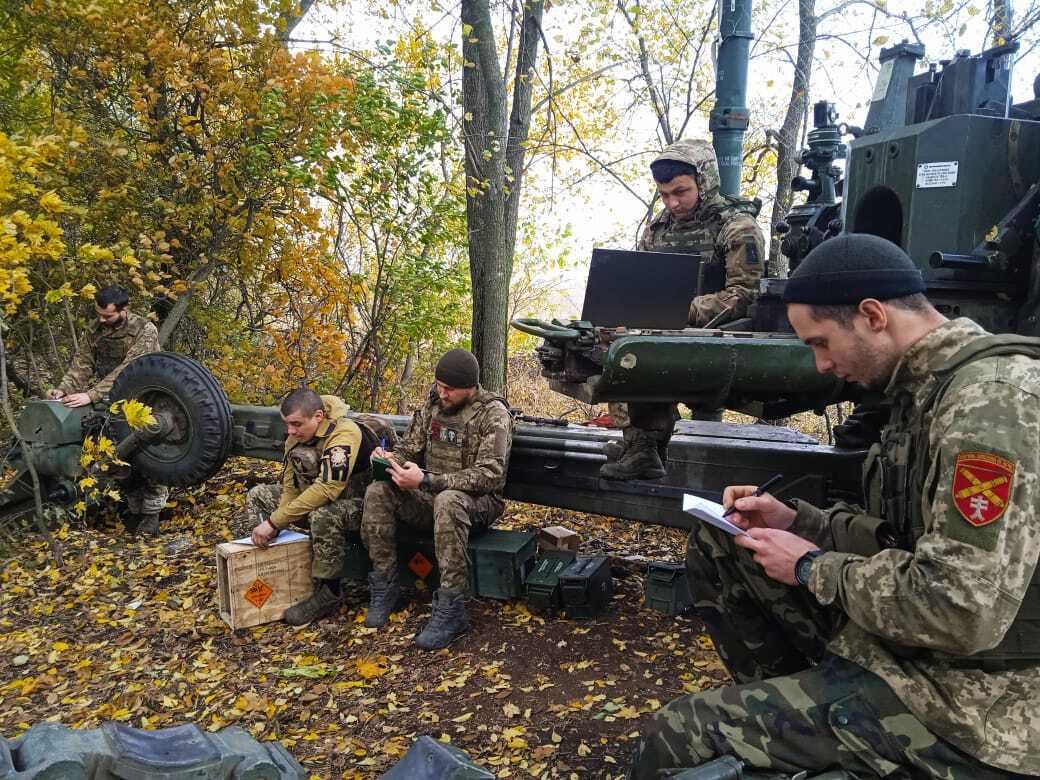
(256, 586)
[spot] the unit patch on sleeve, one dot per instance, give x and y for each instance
(982, 486)
(335, 463)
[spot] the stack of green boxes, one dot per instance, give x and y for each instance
(503, 565)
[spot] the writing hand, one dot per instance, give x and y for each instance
(407, 476)
(264, 534)
(76, 400)
(756, 511)
(775, 551)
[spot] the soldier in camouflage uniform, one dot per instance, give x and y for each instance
(697, 219)
(900, 639)
(326, 470)
(117, 337)
(462, 435)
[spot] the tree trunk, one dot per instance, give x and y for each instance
(494, 157)
(787, 142)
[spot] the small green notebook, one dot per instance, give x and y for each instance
(380, 469)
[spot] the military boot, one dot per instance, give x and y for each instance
(640, 460)
(147, 524)
(614, 450)
(448, 622)
(323, 602)
(384, 593)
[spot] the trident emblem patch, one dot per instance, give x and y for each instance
(982, 486)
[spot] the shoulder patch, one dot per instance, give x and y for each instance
(335, 463)
(982, 486)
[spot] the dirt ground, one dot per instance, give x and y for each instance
(128, 630)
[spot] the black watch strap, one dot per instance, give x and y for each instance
(803, 567)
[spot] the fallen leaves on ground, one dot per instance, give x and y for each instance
(129, 631)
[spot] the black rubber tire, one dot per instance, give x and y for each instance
(187, 391)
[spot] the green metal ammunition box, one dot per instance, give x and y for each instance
(543, 583)
(667, 588)
(586, 586)
(500, 562)
(416, 560)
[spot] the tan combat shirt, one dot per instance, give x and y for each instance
(336, 444)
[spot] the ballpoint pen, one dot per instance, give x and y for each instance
(760, 490)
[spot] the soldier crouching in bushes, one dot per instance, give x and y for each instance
(326, 470)
(462, 435)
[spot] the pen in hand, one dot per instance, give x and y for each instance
(760, 490)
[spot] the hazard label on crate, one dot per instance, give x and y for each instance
(258, 593)
(420, 565)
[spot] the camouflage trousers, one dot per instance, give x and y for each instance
(655, 416)
(329, 526)
(450, 514)
(146, 498)
(815, 712)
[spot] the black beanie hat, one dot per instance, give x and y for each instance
(851, 267)
(458, 368)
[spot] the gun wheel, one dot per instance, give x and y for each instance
(187, 393)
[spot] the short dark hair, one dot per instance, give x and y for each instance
(112, 295)
(843, 313)
(664, 171)
(303, 400)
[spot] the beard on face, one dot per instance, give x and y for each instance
(452, 408)
(871, 366)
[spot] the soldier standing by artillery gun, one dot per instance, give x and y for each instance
(118, 336)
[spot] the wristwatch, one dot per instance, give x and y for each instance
(803, 568)
(425, 484)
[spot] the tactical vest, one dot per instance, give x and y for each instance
(893, 482)
(698, 236)
(305, 458)
(110, 352)
(450, 444)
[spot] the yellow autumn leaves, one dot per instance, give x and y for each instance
(99, 456)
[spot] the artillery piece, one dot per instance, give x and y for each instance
(944, 166)
(932, 144)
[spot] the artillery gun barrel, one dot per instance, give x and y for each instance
(767, 375)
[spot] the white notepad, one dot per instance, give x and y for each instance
(709, 512)
(283, 538)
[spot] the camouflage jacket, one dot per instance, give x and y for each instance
(959, 588)
(315, 473)
(104, 353)
(722, 228)
(467, 450)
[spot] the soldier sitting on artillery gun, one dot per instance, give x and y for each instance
(117, 337)
(326, 469)
(696, 219)
(462, 435)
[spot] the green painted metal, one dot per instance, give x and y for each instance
(52, 423)
(666, 588)
(768, 375)
(500, 562)
(729, 117)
